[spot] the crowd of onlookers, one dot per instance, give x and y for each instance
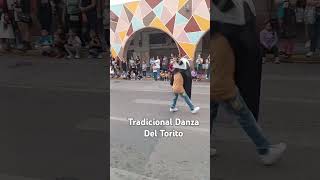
(279, 34)
(65, 26)
(157, 68)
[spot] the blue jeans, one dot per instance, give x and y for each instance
(186, 99)
(238, 107)
(158, 73)
(155, 76)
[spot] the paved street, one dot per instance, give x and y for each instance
(289, 113)
(134, 156)
(53, 120)
(44, 110)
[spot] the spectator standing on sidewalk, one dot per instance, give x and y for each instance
(24, 21)
(144, 69)
(199, 64)
(269, 42)
(6, 28)
(58, 13)
(315, 38)
(89, 17)
(289, 29)
(309, 20)
(124, 66)
(45, 15)
(73, 16)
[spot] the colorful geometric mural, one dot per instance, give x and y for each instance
(186, 21)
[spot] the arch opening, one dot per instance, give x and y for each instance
(150, 42)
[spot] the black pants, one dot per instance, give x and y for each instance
(245, 43)
(274, 50)
(315, 36)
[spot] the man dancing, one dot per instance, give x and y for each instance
(229, 74)
(236, 20)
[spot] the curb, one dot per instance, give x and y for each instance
(298, 58)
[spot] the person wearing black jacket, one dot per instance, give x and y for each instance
(185, 70)
(236, 20)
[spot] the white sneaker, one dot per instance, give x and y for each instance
(309, 54)
(77, 57)
(213, 151)
(277, 60)
(274, 154)
(69, 57)
(264, 60)
(173, 109)
(195, 110)
(308, 44)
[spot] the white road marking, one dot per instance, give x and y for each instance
(159, 102)
(120, 174)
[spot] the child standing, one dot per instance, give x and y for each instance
(225, 93)
(177, 87)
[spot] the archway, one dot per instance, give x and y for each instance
(203, 47)
(150, 42)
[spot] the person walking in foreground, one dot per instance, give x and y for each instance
(225, 93)
(177, 87)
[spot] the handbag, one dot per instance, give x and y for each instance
(26, 18)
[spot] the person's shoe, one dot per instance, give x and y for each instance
(77, 57)
(213, 151)
(195, 110)
(173, 109)
(69, 57)
(100, 56)
(264, 60)
(277, 60)
(308, 44)
(274, 154)
(309, 54)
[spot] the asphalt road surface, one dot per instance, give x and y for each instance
(45, 105)
(289, 113)
(54, 116)
(135, 156)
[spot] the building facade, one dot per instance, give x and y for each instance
(185, 21)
